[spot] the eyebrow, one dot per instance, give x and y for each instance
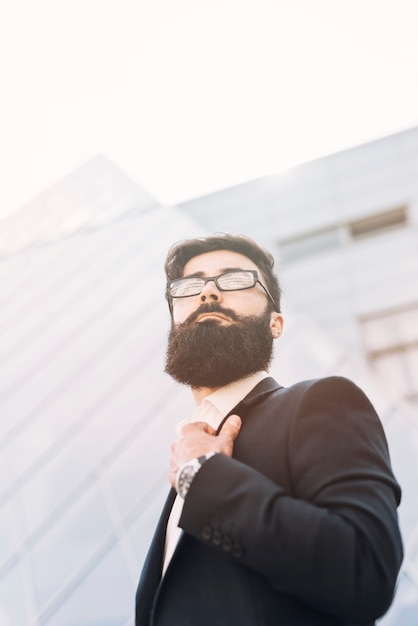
(201, 274)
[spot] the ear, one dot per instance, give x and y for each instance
(276, 324)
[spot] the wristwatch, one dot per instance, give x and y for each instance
(187, 472)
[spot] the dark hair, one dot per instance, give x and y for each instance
(181, 252)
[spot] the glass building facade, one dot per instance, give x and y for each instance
(87, 413)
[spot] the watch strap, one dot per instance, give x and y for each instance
(188, 471)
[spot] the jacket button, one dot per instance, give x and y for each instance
(227, 543)
(216, 538)
(206, 532)
(237, 550)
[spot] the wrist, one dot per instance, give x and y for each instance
(187, 472)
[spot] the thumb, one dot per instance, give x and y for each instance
(232, 427)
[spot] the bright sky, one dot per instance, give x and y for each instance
(189, 96)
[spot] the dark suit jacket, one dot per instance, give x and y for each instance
(299, 528)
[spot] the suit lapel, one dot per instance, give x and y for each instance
(152, 568)
(260, 391)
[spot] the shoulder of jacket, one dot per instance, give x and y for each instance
(326, 381)
(329, 385)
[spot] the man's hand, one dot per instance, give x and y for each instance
(198, 439)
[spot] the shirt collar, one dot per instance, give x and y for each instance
(225, 398)
(219, 403)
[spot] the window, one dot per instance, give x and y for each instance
(313, 242)
(310, 243)
(378, 222)
(391, 341)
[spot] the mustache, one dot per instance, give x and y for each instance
(210, 307)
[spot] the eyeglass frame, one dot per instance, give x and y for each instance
(207, 279)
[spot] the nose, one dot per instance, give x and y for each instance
(210, 292)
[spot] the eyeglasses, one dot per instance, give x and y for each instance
(235, 280)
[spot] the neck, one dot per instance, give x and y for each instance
(200, 393)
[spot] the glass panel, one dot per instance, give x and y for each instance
(392, 368)
(309, 244)
(411, 358)
(66, 547)
(404, 611)
(104, 598)
(129, 484)
(377, 334)
(44, 492)
(408, 325)
(8, 536)
(393, 329)
(392, 343)
(144, 524)
(6, 471)
(13, 605)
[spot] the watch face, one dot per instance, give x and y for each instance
(185, 479)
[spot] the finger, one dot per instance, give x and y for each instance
(172, 465)
(231, 427)
(202, 426)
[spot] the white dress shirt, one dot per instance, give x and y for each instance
(212, 410)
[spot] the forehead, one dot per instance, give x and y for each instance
(214, 263)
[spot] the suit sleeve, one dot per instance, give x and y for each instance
(332, 541)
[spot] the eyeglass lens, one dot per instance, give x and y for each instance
(230, 281)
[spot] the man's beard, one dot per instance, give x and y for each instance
(208, 354)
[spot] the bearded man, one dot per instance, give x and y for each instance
(283, 503)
